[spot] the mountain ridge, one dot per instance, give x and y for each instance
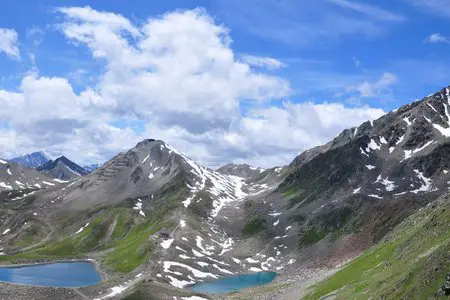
(154, 211)
(31, 160)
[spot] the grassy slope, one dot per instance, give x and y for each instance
(410, 263)
(120, 236)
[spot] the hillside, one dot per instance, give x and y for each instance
(409, 263)
(20, 179)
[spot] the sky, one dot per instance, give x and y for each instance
(253, 81)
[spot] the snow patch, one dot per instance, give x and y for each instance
(82, 228)
(59, 180)
(195, 272)
(426, 183)
(408, 122)
(138, 206)
(166, 243)
(372, 146)
(6, 186)
(275, 214)
(409, 153)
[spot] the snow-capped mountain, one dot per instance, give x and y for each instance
(31, 160)
(62, 168)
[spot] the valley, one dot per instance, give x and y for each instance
(363, 216)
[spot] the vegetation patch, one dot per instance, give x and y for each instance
(254, 226)
(311, 236)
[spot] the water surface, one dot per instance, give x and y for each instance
(61, 274)
(235, 283)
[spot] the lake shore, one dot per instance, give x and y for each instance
(25, 292)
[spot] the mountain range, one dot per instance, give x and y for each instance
(363, 216)
(32, 160)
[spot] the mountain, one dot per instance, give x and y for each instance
(375, 196)
(32, 160)
(241, 170)
(91, 168)
(62, 168)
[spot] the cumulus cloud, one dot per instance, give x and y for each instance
(176, 78)
(437, 38)
(8, 43)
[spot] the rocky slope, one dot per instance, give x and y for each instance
(152, 212)
(17, 178)
(32, 160)
(62, 168)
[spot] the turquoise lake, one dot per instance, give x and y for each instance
(61, 274)
(234, 283)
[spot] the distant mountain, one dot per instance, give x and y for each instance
(31, 160)
(91, 168)
(241, 170)
(62, 168)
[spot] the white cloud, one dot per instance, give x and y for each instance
(369, 10)
(270, 136)
(263, 62)
(437, 38)
(176, 77)
(8, 43)
(308, 23)
(36, 35)
(373, 89)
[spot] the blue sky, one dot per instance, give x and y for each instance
(395, 46)
(359, 54)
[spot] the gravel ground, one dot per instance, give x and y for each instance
(24, 292)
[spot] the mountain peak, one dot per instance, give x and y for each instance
(62, 168)
(31, 160)
(146, 142)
